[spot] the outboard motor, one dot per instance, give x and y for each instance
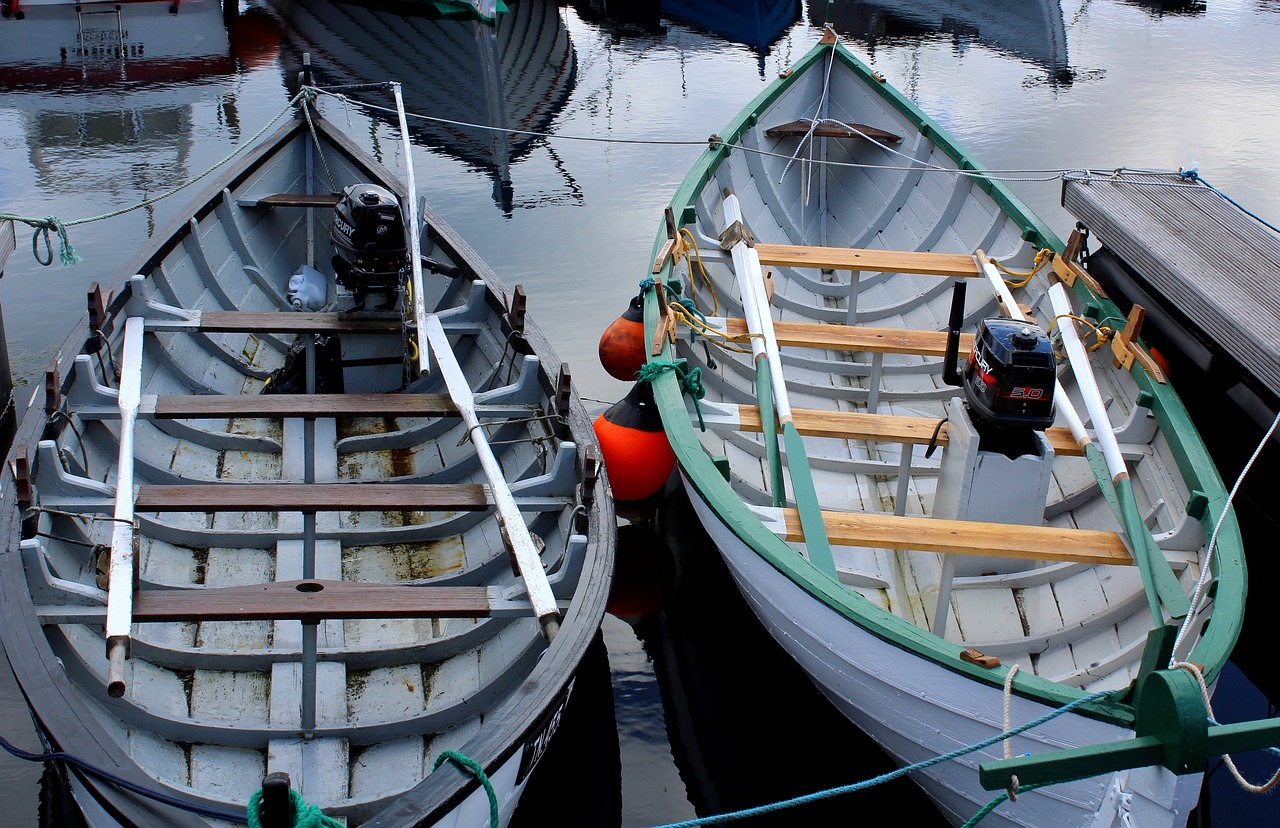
(372, 247)
(1010, 375)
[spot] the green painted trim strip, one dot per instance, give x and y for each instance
(1161, 581)
(815, 530)
(764, 395)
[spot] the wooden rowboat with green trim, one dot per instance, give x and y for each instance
(954, 540)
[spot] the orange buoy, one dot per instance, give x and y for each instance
(637, 456)
(1160, 360)
(622, 343)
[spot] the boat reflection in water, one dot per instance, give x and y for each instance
(515, 74)
(1029, 30)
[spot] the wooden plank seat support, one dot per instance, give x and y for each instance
(833, 129)
(962, 537)
(310, 601)
(888, 428)
(311, 497)
(292, 200)
(853, 337)
(868, 259)
(196, 406)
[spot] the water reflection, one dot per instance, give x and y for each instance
(1029, 30)
(514, 75)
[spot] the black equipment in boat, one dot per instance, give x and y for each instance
(1010, 375)
(372, 246)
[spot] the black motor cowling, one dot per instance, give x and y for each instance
(1009, 378)
(369, 236)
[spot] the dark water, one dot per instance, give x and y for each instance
(692, 710)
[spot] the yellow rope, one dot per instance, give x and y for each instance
(1102, 333)
(1042, 257)
(692, 245)
(682, 314)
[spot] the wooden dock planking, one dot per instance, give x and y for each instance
(962, 537)
(1202, 254)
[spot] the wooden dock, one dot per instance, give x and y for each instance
(1199, 254)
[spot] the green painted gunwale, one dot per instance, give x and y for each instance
(1191, 456)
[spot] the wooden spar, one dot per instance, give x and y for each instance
(1162, 585)
(120, 572)
(415, 242)
(514, 530)
(746, 265)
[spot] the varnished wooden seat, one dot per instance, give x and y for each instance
(310, 601)
(852, 337)
(311, 497)
(291, 200)
(868, 259)
(195, 406)
(833, 129)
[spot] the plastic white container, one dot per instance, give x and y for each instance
(308, 289)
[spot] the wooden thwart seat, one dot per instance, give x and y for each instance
(867, 259)
(889, 428)
(311, 497)
(194, 406)
(276, 322)
(832, 129)
(311, 601)
(854, 337)
(292, 200)
(1041, 543)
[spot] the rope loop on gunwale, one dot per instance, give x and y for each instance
(471, 765)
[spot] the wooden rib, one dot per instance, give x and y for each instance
(890, 428)
(876, 261)
(314, 600)
(196, 406)
(311, 497)
(962, 537)
(856, 337)
(277, 322)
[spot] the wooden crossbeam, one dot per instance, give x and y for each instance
(889, 428)
(311, 497)
(962, 537)
(195, 406)
(313, 601)
(292, 200)
(833, 129)
(853, 337)
(867, 259)
(276, 322)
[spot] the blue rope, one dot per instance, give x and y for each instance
(1192, 175)
(888, 777)
(93, 770)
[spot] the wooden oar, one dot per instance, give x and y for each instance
(510, 520)
(419, 308)
(1151, 561)
(121, 568)
(755, 303)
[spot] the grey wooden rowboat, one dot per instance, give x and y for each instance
(249, 528)
(945, 564)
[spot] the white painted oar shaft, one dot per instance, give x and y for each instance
(1087, 382)
(1060, 400)
(415, 242)
(120, 570)
(509, 517)
(755, 303)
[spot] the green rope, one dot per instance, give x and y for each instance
(476, 771)
(690, 381)
(304, 815)
(67, 254)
